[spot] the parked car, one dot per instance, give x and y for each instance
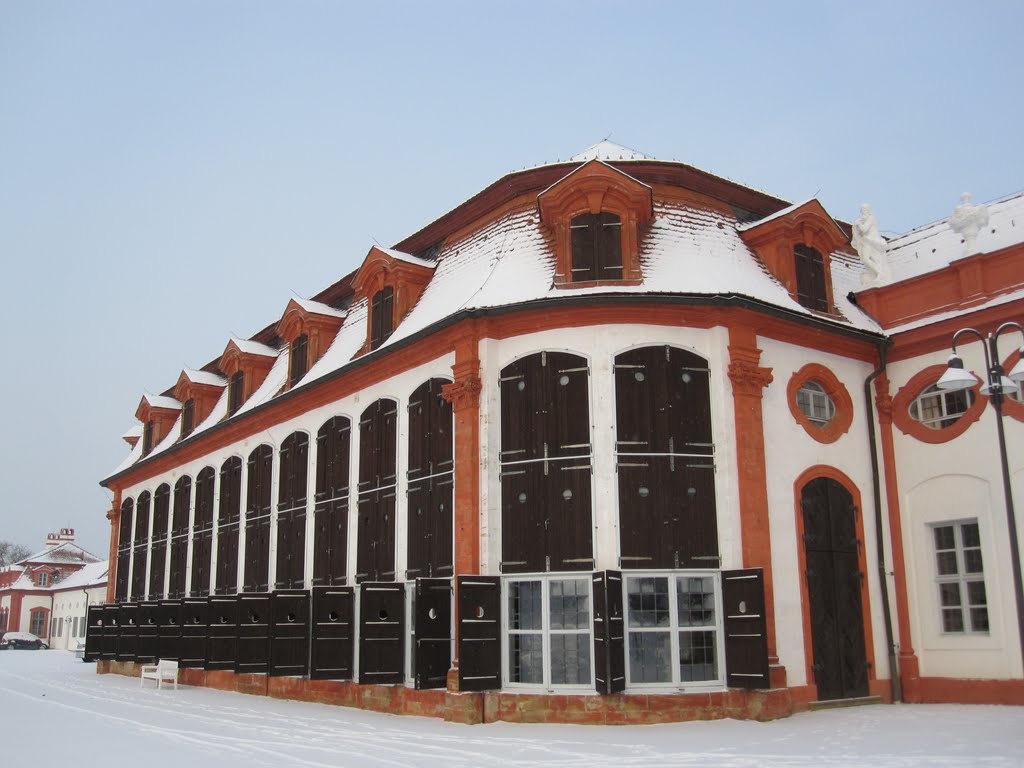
(22, 640)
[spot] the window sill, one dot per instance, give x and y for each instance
(597, 283)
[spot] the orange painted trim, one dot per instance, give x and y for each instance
(948, 690)
(908, 425)
(387, 363)
(813, 473)
(114, 516)
(834, 388)
(964, 283)
(938, 336)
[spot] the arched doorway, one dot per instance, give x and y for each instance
(834, 581)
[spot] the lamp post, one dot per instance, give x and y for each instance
(998, 386)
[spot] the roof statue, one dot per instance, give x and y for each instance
(871, 248)
(967, 220)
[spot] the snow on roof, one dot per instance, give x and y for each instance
(276, 378)
(250, 347)
(205, 377)
(68, 552)
(135, 431)
(91, 575)
(316, 308)
(350, 338)
(161, 401)
(133, 456)
(935, 246)
(776, 215)
(401, 256)
(608, 150)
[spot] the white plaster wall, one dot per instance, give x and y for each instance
(958, 480)
(70, 605)
(790, 451)
(28, 604)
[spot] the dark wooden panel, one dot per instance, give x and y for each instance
(124, 560)
(810, 278)
(194, 630)
(375, 554)
(330, 542)
(128, 632)
(93, 633)
(148, 649)
(332, 631)
(332, 458)
(523, 518)
(110, 635)
(253, 650)
(158, 547)
(289, 633)
(745, 626)
(568, 529)
(257, 520)
(227, 559)
(609, 633)
(229, 508)
(291, 515)
(430, 482)
(222, 632)
(124, 550)
(139, 551)
(381, 633)
(479, 617)
(433, 632)
(168, 618)
(299, 359)
(202, 533)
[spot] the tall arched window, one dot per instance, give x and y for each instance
(229, 514)
(375, 545)
(291, 512)
(202, 533)
(158, 557)
(430, 477)
(665, 457)
(124, 549)
(138, 591)
(330, 544)
(257, 520)
(179, 536)
(546, 464)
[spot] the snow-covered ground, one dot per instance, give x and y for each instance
(56, 710)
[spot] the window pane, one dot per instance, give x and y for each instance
(947, 563)
(526, 659)
(570, 604)
(649, 654)
(648, 602)
(524, 605)
(944, 537)
(972, 561)
(976, 593)
(950, 594)
(970, 534)
(952, 620)
(695, 601)
(570, 659)
(697, 656)
(979, 619)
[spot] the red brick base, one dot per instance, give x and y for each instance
(489, 706)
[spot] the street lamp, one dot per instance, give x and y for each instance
(998, 386)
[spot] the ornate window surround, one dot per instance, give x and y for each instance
(203, 394)
(406, 275)
(319, 323)
(908, 425)
(253, 359)
(596, 187)
(834, 388)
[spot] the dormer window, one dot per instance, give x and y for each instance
(810, 278)
(43, 579)
(382, 316)
(596, 214)
(596, 246)
(147, 437)
(236, 388)
(188, 417)
(299, 359)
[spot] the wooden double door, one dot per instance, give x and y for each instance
(834, 580)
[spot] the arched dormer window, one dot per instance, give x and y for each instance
(188, 416)
(382, 316)
(299, 360)
(157, 414)
(308, 327)
(236, 389)
(596, 213)
(246, 364)
(391, 282)
(198, 392)
(810, 278)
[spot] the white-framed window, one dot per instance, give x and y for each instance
(960, 576)
(550, 632)
(814, 402)
(939, 408)
(674, 636)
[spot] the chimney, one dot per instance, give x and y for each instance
(66, 536)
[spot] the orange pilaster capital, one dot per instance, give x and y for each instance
(463, 393)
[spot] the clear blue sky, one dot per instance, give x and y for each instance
(171, 173)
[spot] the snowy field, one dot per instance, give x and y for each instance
(57, 709)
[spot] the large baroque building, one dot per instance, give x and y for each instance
(615, 440)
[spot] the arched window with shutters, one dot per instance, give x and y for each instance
(430, 475)
(256, 574)
(378, 445)
(182, 507)
(382, 316)
(229, 515)
(124, 549)
(291, 512)
(188, 417)
(330, 543)
(665, 459)
(236, 392)
(158, 556)
(202, 533)
(546, 464)
(810, 278)
(299, 360)
(140, 545)
(596, 247)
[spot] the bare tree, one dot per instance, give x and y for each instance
(12, 553)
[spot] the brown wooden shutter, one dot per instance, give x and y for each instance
(139, 551)
(253, 634)
(228, 516)
(289, 633)
(236, 392)
(194, 615)
(109, 636)
(168, 619)
(585, 233)
(298, 361)
(608, 258)
(257, 521)
(609, 633)
(291, 527)
(332, 631)
(202, 533)
(188, 414)
(430, 482)
(93, 633)
(330, 547)
(381, 633)
(124, 550)
(128, 632)
(148, 649)
(479, 599)
(222, 632)
(433, 632)
(810, 278)
(746, 629)
(378, 437)
(176, 587)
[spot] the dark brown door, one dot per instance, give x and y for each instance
(222, 632)
(609, 633)
(433, 627)
(330, 514)
(291, 512)
(375, 541)
(381, 633)
(746, 629)
(289, 633)
(332, 646)
(834, 590)
(194, 630)
(430, 473)
(168, 618)
(253, 634)
(479, 599)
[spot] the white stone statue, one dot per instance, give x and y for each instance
(871, 248)
(967, 220)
